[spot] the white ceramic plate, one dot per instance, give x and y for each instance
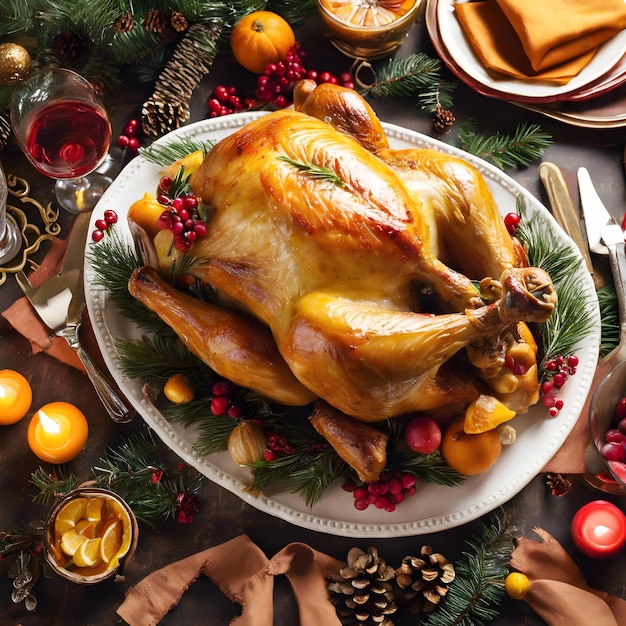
(463, 54)
(433, 508)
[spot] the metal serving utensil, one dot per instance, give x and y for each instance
(60, 301)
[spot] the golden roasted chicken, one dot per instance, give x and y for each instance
(381, 281)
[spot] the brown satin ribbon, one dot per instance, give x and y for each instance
(245, 575)
(559, 593)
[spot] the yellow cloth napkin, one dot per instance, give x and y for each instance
(246, 576)
(559, 593)
(547, 40)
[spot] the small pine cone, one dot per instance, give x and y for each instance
(70, 48)
(423, 581)
(178, 21)
(5, 130)
(160, 117)
(124, 23)
(443, 119)
(560, 484)
(156, 21)
(363, 592)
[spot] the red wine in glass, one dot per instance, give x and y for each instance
(68, 138)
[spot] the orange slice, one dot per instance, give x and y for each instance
(69, 514)
(111, 542)
(486, 413)
(368, 12)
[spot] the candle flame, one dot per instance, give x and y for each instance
(49, 425)
(601, 530)
(3, 392)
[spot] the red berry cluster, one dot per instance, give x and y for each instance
(275, 86)
(390, 489)
(558, 370)
(511, 221)
(276, 443)
(181, 217)
(102, 225)
(130, 137)
(221, 402)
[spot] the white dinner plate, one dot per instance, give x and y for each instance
(463, 54)
(434, 507)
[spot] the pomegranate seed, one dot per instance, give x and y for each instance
(269, 455)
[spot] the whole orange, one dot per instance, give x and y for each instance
(260, 38)
(469, 454)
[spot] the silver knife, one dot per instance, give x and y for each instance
(595, 213)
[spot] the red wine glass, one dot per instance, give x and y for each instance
(62, 127)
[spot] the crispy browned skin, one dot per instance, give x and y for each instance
(234, 345)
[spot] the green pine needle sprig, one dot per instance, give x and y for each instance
(418, 74)
(572, 319)
(526, 145)
(609, 315)
(474, 598)
(315, 171)
(429, 468)
(165, 153)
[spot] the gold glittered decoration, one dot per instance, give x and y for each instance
(15, 63)
(34, 229)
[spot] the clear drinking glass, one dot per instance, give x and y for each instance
(62, 127)
(10, 236)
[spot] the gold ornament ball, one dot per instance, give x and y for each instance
(14, 63)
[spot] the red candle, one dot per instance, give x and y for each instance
(599, 529)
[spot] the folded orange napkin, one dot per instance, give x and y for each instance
(25, 321)
(539, 40)
(246, 576)
(559, 593)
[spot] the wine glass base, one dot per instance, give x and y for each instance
(11, 244)
(81, 194)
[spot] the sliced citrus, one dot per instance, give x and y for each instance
(93, 511)
(111, 543)
(69, 514)
(485, 413)
(368, 12)
(71, 541)
(88, 553)
(86, 528)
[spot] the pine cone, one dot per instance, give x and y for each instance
(178, 21)
(362, 592)
(560, 484)
(424, 581)
(5, 130)
(69, 48)
(156, 21)
(124, 23)
(159, 117)
(443, 119)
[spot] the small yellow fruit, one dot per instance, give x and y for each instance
(517, 585)
(485, 413)
(146, 212)
(178, 390)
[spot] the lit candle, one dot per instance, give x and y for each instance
(599, 529)
(15, 397)
(57, 432)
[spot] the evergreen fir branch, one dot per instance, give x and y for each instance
(473, 599)
(294, 11)
(52, 486)
(166, 153)
(315, 171)
(526, 145)
(429, 468)
(609, 316)
(18, 17)
(418, 74)
(308, 475)
(571, 320)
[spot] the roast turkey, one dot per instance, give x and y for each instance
(361, 263)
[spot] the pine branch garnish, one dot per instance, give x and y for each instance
(478, 588)
(166, 153)
(429, 468)
(609, 316)
(52, 486)
(523, 147)
(572, 319)
(418, 74)
(319, 173)
(294, 11)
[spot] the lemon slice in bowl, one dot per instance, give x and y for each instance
(71, 541)
(111, 541)
(69, 515)
(88, 553)
(93, 511)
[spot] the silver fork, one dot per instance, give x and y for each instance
(59, 302)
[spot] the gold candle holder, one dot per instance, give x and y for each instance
(368, 29)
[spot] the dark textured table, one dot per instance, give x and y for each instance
(222, 515)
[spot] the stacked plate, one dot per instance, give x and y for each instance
(596, 98)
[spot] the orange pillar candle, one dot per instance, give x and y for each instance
(16, 397)
(57, 432)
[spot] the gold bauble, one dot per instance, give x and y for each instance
(14, 63)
